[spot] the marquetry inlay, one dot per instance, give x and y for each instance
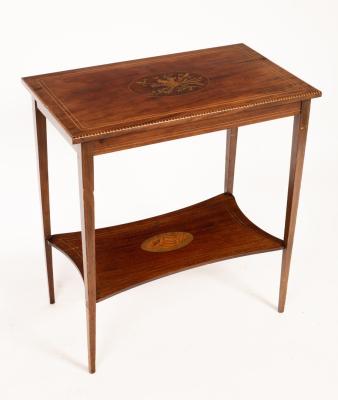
(167, 241)
(169, 84)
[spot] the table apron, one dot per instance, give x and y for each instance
(195, 126)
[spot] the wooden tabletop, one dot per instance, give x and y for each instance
(121, 98)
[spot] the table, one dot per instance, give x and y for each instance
(118, 106)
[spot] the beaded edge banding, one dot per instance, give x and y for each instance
(202, 114)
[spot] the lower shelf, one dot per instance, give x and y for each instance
(134, 253)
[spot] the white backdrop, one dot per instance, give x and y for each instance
(211, 332)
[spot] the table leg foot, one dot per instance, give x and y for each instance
(286, 260)
(49, 266)
(91, 332)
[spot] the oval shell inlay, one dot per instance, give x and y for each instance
(167, 241)
(169, 84)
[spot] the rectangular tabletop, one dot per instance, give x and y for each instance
(196, 91)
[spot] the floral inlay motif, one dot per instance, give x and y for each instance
(169, 84)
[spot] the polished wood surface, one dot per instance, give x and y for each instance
(219, 230)
(92, 103)
(300, 128)
(87, 242)
(180, 129)
(128, 104)
(42, 155)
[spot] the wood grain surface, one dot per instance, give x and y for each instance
(219, 229)
(97, 102)
(135, 103)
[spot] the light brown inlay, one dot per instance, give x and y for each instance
(167, 241)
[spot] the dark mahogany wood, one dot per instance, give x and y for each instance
(41, 150)
(87, 242)
(97, 102)
(118, 106)
(300, 127)
(219, 229)
(180, 129)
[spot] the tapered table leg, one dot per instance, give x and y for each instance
(230, 159)
(41, 149)
(296, 167)
(86, 180)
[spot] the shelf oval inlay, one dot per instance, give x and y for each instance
(167, 241)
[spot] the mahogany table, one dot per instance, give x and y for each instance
(117, 106)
